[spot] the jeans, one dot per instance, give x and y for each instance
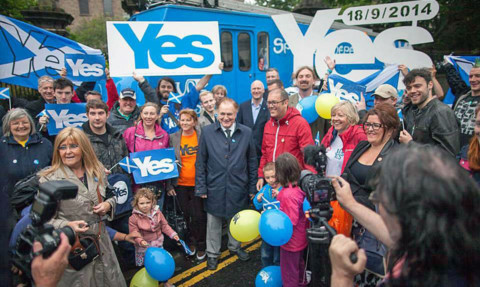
(270, 255)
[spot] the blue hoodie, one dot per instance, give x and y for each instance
(267, 198)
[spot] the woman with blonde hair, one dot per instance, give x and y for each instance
(74, 160)
(340, 141)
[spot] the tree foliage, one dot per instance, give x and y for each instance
(12, 8)
(286, 5)
(92, 33)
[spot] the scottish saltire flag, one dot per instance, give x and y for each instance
(41, 114)
(154, 165)
(29, 52)
(4, 93)
(317, 139)
(127, 165)
(344, 89)
(463, 65)
(185, 247)
(389, 75)
(175, 98)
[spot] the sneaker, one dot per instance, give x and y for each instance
(212, 263)
(242, 254)
(201, 255)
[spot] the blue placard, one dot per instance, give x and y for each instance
(65, 115)
(344, 89)
(85, 68)
(154, 165)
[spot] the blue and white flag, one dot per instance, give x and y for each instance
(41, 114)
(390, 75)
(463, 65)
(29, 52)
(344, 89)
(185, 247)
(154, 165)
(317, 139)
(4, 93)
(127, 165)
(65, 115)
(85, 68)
(175, 98)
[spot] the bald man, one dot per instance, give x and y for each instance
(254, 114)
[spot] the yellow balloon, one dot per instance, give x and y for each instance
(324, 105)
(142, 279)
(244, 225)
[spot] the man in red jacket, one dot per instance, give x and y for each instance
(286, 131)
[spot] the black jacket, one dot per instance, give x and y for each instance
(226, 170)
(120, 123)
(434, 124)
(245, 117)
(111, 153)
(362, 192)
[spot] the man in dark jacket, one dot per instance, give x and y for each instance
(107, 142)
(125, 112)
(226, 173)
(429, 121)
(254, 114)
(45, 88)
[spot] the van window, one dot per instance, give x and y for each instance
(227, 52)
(263, 60)
(244, 52)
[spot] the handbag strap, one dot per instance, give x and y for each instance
(100, 200)
(175, 202)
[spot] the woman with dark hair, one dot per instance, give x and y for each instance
(469, 155)
(381, 127)
(185, 143)
(74, 160)
(147, 134)
(429, 212)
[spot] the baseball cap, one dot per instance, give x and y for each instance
(386, 91)
(128, 93)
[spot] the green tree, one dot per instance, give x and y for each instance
(12, 8)
(92, 33)
(286, 5)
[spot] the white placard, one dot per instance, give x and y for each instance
(163, 48)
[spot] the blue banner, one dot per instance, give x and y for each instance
(65, 115)
(344, 89)
(85, 68)
(463, 65)
(154, 165)
(29, 52)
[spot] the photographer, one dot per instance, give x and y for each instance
(428, 217)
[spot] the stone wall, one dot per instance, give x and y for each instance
(95, 9)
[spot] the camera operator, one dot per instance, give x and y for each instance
(428, 217)
(47, 272)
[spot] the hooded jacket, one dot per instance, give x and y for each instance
(150, 226)
(111, 153)
(289, 134)
(350, 138)
(119, 122)
(136, 139)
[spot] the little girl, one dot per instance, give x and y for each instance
(291, 200)
(148, 223)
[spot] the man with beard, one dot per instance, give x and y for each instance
(254, 114)
(466, 104)
(429, 121)
(305, 79)
(170, 110)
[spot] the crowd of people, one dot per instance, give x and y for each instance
(407, 189)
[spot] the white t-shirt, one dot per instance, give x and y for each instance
(335, 157)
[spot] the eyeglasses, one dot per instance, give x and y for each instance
(275, 103)
(374, 126)
(65, 147)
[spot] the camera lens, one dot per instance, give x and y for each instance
(68, 231)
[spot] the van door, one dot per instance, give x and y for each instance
(237, 55)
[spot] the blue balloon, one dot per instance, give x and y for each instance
(159, 263)
(306, 106)
(275, 227)
(269, 276)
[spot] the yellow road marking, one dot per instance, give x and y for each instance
(221, 265)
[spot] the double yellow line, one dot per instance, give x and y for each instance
(187, 273)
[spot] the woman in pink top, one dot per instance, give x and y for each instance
(291, 200)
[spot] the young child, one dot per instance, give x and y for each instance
(291, 199)
(265, 199)
(148, 222)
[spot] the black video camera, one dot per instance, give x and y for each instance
(43, 209)
(317, 187)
